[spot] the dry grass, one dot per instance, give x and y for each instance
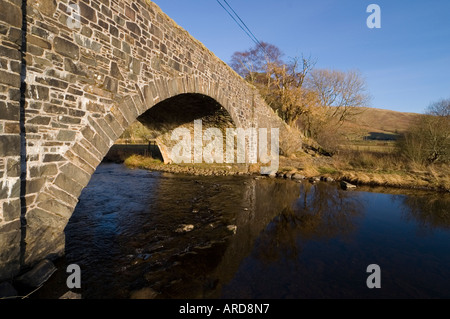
(379, 120)
(145, 162)
(139, 161)
(389, 169)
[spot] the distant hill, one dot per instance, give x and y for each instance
(378, 123)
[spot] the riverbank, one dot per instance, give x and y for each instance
(313, 168)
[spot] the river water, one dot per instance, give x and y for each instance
(247, 237)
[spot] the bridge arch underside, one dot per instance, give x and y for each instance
(189, 111)
(46, 221)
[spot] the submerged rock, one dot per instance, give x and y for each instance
(184, 228)
(70, 295)
(347, 185)
(232, 228)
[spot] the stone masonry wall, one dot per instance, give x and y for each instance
(92, 67)
(10, 66)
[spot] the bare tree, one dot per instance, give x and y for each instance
(254, 61)
(340, 93)
(428, 139)
(279, 82)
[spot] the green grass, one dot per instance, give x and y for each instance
(327, 170)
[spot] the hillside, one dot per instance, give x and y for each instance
(378, 123)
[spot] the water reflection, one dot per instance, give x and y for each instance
(251, 238)
(429, 211)
(320, 211)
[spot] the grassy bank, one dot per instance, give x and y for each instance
(373, 168)
(203, 169)
(356, 167)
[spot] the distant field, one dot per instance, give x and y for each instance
(371, 146)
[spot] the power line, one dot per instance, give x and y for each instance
(246, 27)
(247, 31)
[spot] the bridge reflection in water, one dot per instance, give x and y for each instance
(291, 240)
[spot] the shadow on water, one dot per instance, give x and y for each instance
(140, 234)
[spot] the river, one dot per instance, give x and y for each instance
(142, 234)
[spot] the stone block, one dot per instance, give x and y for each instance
(99, 130)
(66, 48)
(39, 32)
(12, 128)
(38, 92)
(80, 162)
(12, 167)
(76, 173)
(115, 126)
(54, 109)
(11, 79)
(40, 120)
(53, 158)
(10, 188)
(110, 84)
(107, 129)
(114, 31)
(34, 185)
(47, 7)
(133, 27)
(11, 14)
(49, 203)
(87, 12)
(99, 144)
(62, 196)
(38, 42)
(15, 36)
(71, 67)
(120, 117)
(68, 185)
(43, 170)
(115, 71)
(11, 210)
(66, 136)
(70, 120)
(9, 145)
(79, 150)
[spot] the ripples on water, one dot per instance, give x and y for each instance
(293, 240)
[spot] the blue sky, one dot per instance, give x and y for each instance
(406, 63)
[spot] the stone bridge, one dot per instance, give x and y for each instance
(73, 76)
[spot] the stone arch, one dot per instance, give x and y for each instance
(57, 199)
